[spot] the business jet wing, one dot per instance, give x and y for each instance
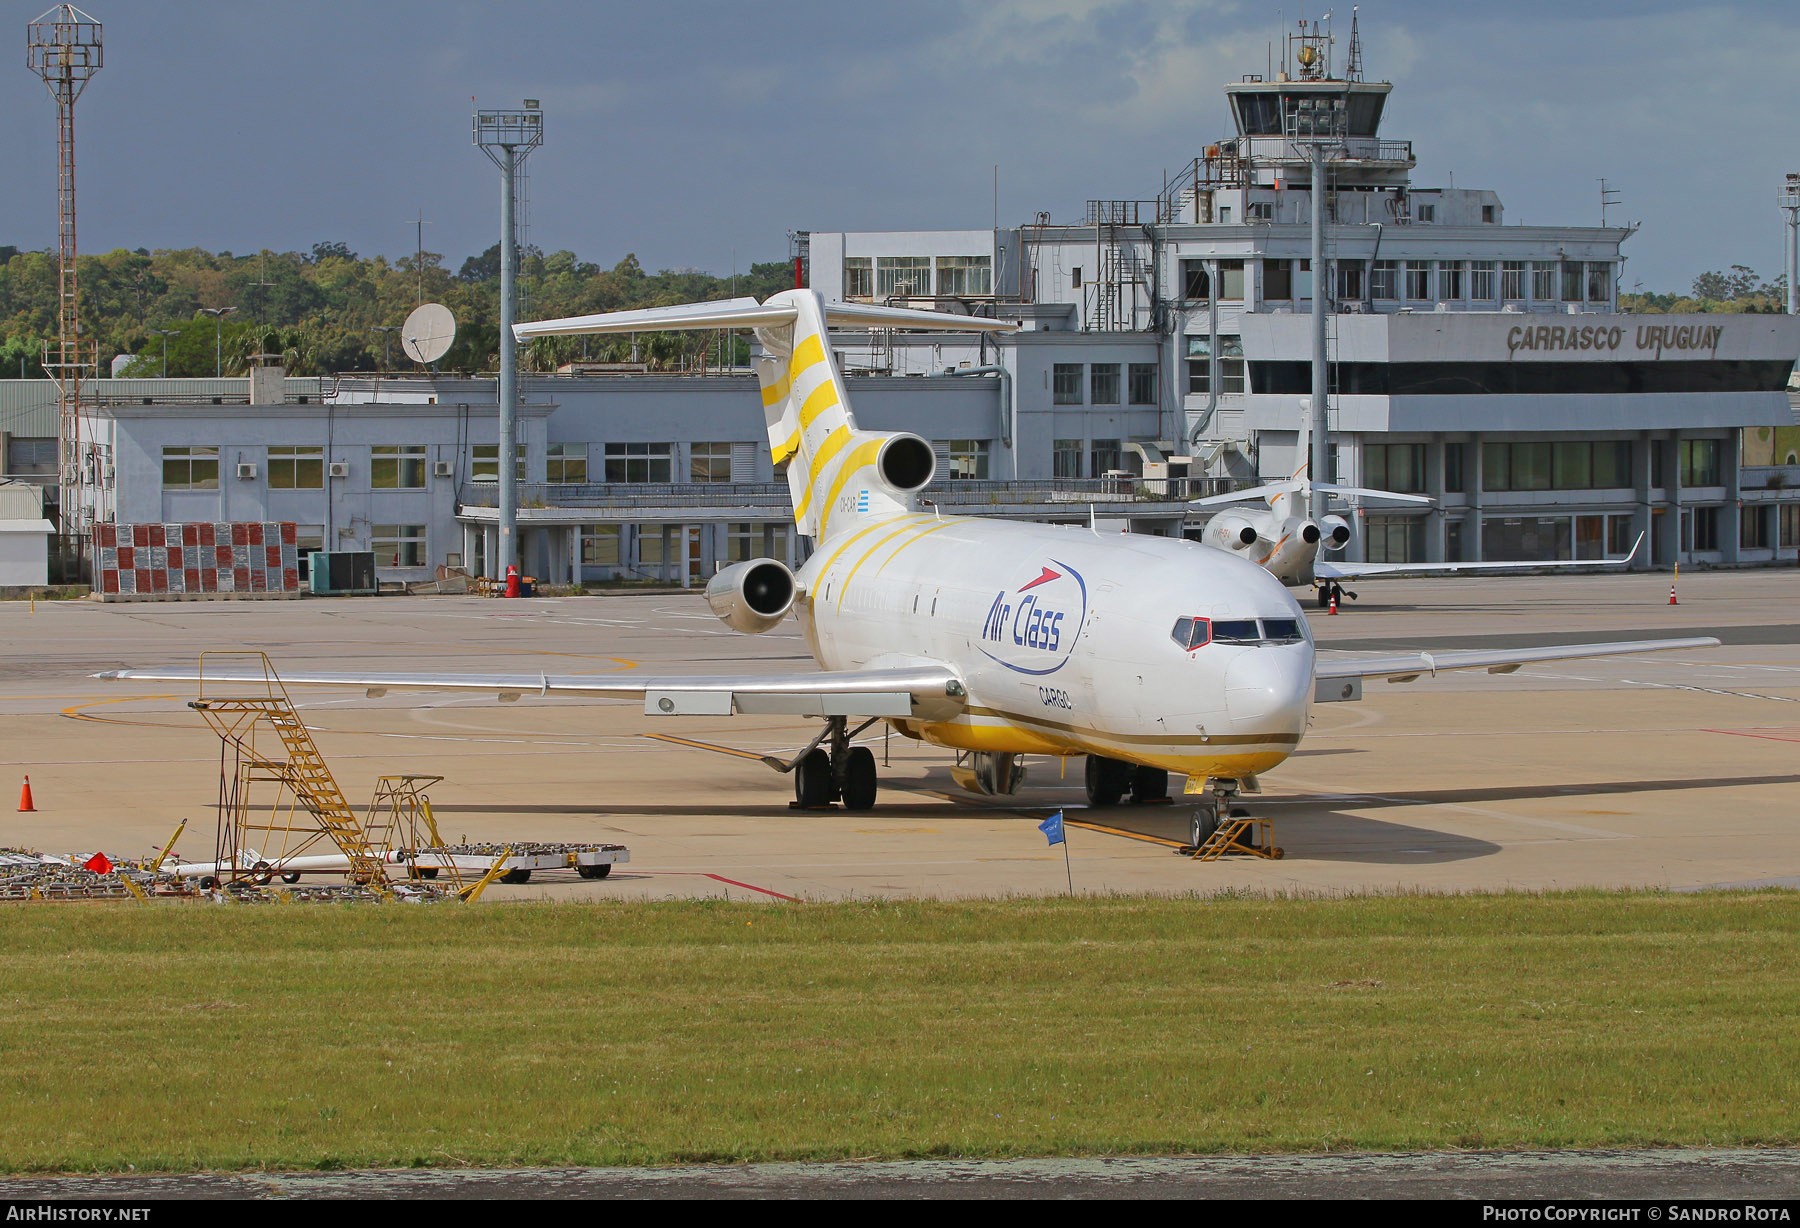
(748, 313)
(1406, 666)
(924, 691)
(1324, 569)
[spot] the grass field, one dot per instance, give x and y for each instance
(184, 1037)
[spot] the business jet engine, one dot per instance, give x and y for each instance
(1337, 532)
(752, 597)
(989, 773)
(1232, 530)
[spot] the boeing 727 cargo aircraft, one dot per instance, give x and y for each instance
(1146, 655)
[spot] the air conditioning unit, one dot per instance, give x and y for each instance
(442, 469)
(343, 573)
(340, 469)
(246, 471)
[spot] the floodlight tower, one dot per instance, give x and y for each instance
(507, 138)
(1790, 202)
(63, 47)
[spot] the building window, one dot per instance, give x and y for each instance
(902, 275)
(1512, 280)
(308, 539)
(599, 545)
(1395, 466)
(1790, 526)
(1481, 280)
(1455, 457)
(965, 275)
(1193, 280)
(1231, 280)
(1543, 281)
(756, 541)
(1571, 281)
(1384, 280)
(1277, 279)
(1574, 464)
(398, 545)
(1394, 539)
(1753, 529)
(968, 459)
(640, 462)
(1350, 281)
(484, 462)
(859, 277)
(1418, 280)
(1143, 383)
(1489, 215)
(1103, 383)
(1703, 523)
(1231, 363)
(32, 456)
(1700, 464)
(296, 466)
(1427, 213)
(709, 462)
(1520, 539)
(397, 467)
(1450, 280)
(1065, 459)
(1104, 457)
(1260, 211)
(1599, 281)
(195, 467)
(1065, 383)
(565, 464)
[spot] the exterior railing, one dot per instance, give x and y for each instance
(946, 493)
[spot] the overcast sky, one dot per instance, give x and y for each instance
(696, 133)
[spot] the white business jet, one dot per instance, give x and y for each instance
(998, 640)
(1285, 540)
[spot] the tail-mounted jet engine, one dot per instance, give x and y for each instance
(1309, 533)
(1235, 531)
(1337, 532)
(989, 773)
(906, 463)
(752, 597)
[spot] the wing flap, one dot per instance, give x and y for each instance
(922, 692)
(1405, 666)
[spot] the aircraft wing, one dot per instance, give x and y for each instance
(1248, 494)
(1324, 569)
(1406, 666)
(925, 692)
(748, 313)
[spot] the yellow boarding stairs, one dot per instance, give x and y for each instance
(235, 718)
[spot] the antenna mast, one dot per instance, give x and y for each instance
(63, 47)
(1355, 70)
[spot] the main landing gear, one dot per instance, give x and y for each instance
(831, 770)
(1221, 826)
(1109, 780)
(1327, 589)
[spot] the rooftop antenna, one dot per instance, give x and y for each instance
(63, 47)
(507, 138)
(1608, 196)
(428, 333)
(1355, 70)
(419, 253)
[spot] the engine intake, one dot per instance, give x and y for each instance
(752, 597)
(1337, 532)
(906, 463)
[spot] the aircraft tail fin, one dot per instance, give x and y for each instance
(837, 474)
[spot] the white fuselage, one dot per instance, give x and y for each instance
(1065, 639)
(1281, 547)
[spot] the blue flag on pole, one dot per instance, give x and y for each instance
(1052, 828)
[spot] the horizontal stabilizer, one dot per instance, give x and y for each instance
(748, 313)
(1367, 493)
(1248, 495)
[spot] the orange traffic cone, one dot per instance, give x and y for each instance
(25, 797)
(1672, 600)
(1333, 609)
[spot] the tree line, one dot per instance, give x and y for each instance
(323, 310)
(1738, 289)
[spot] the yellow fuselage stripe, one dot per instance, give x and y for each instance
(825, 571)
(834, 443)
(870, 553)
(942, 524)
(862, 454)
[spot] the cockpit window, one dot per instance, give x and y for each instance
(1192, 633)
(1282, 630)
(1236, 631)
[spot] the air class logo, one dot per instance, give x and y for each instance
(1032, 628)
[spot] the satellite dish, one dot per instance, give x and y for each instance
(428, 332)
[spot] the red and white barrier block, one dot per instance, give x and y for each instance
(195, 562)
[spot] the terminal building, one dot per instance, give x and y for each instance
(1164, 353)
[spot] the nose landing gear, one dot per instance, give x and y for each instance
(1220, 826)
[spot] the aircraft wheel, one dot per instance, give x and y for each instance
(262, 874)
(1106, 780)
(859, 779)
(1206, 822)
(593, 871)
(812, 780)
(1149, 784)
(428, 872)
(515, 877)
(1325, 597)
(291, 877)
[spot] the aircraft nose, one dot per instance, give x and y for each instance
(1267, 689)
